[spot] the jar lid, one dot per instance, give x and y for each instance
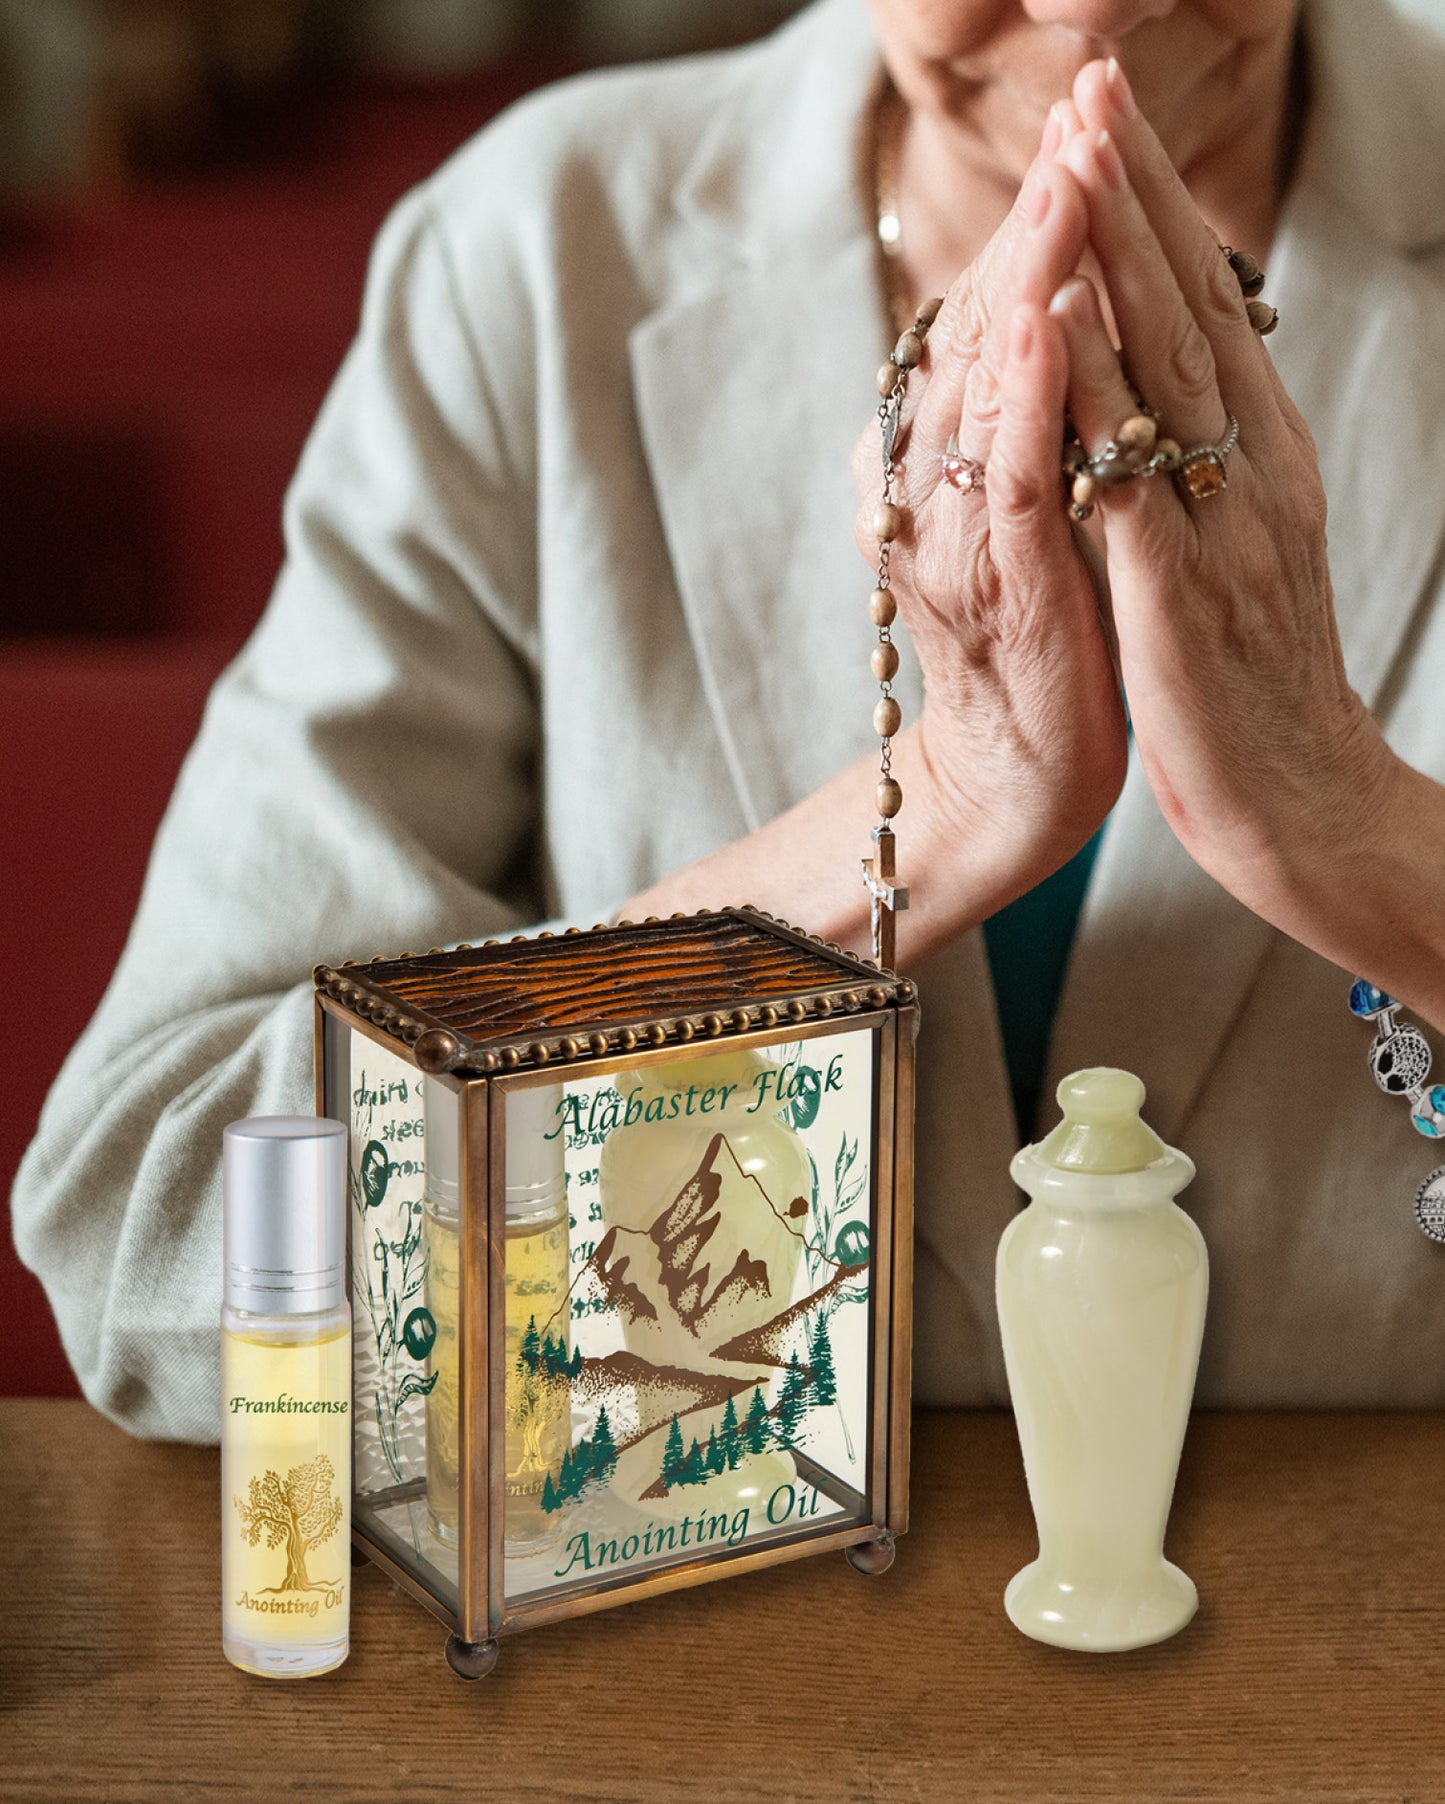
(1101, 1140)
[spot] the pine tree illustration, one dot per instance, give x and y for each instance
(693, 1471)
(530, 1352)
(820, 1357)
(791, 1404)
(732, 1450)
(567, 1485)
(755, 1429)
(672, 1455)
(575, 1365)
(550, 1500)
(604, 1448)
(713, 1457)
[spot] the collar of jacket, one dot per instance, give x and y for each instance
(754, 379)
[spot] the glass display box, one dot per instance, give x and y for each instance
(630, 1222)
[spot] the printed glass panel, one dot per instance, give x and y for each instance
(395, 1359)
(687, 1330)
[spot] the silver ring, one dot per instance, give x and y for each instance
(965, 474)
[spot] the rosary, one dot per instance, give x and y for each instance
(887, 897)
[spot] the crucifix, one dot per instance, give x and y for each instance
(886, 897)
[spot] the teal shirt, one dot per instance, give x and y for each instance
(1028, 952)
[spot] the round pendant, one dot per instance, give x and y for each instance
(1400, 1061)
(1430, 1205)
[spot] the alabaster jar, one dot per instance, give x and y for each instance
(1101, 1286)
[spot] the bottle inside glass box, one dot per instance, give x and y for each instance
(630, 1259)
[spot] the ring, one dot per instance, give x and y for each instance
(1201, 469)
(965, 474)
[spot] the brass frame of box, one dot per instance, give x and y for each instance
(484, 1069)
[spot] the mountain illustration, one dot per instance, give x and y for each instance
(611, 1266)
(763, 1345)
(748, 1276)
(718, 1260)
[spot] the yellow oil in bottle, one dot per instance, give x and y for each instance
(286, 1491)
(443, 1452)
(538, 1408)
(539, 1412)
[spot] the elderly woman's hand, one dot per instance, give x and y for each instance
(1022, 731)
(1262, 757)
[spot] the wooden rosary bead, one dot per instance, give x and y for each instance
(1262, 317)
(1250, 276)
(1137, 434)
(888, 521)
(882, 608)
(1169, 450)
(1085, 488)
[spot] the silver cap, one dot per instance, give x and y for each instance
(443, 1129)
(536, 1165)
(285, 1214)
(536, 1175)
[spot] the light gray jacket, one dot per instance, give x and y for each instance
(571, 598)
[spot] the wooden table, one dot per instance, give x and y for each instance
(1312, 1672)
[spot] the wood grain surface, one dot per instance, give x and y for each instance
(1312, 1672)
(689, 965)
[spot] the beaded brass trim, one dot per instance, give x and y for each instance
(477, 1010)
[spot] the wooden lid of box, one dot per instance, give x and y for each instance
(525, 1002)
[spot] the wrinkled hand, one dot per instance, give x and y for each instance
(1022, 728)
(1257, 748)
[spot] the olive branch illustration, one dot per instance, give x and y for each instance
(386, 1275)
(838, 1234)
(841, 1232)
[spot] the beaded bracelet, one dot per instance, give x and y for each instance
(1400, 1063)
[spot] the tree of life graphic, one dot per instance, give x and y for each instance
(302, 1513)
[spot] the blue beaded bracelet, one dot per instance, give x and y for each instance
(1400, 1064)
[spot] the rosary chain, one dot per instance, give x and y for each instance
(886, 895)
(892, 405)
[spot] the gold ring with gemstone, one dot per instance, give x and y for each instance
(1201, 470)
